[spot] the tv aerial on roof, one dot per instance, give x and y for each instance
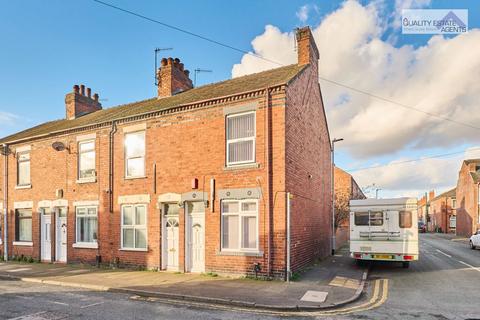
(157, 50)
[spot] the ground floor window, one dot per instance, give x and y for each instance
(86, 224)
(23, 230)
(134, 226)
(239, 225)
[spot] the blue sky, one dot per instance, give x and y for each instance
(47, 48)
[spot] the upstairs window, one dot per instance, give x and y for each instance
(135, 154)
(23, 168)
(86, 160)
(240, 138)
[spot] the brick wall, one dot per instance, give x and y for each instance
(467, 202)
(308, 169)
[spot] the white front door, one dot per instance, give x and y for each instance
(172, 243)
(46, 235)
(195, 237)
(61, 234)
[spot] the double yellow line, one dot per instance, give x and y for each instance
(378, 298)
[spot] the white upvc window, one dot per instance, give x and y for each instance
(240, 133)
(87, 224)
(239, 225)
(134, 227)
(86, 159)
(135, 154)
(23, 225)
(23, 168)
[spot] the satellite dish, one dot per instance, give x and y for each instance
(5, 151)
(58, 146)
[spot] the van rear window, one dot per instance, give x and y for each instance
(405, 218)
(376, 218)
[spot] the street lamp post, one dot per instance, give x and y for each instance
(333, 193)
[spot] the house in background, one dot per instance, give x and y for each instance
(192, 180)
(346, 189)
(423, 206)
(442, 213)
(468, 218)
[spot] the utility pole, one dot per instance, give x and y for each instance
(333, 193)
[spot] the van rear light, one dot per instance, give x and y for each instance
(407, 257)
(357, 255)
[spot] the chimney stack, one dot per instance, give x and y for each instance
(172, 78)
(78, 104)
(306, 47)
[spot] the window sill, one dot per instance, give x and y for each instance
(240, 253)
(85, 245)
(133, 249)
(254, 165)
(27, 186)
(23, 243)
(133, 178)
(87, 180)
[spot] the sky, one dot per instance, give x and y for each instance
(47, 47)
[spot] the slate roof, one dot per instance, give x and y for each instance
(230, 87)
(452, 193)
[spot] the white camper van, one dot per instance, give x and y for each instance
(384, 229)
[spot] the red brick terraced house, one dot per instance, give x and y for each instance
(346, 189)
(194, 180)
(442, 212)
(468, 217)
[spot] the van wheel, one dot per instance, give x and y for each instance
(472, 246)
(405, 264)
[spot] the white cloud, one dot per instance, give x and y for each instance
(437, 78)
(414, 178)
(302, 13)
(406, 4)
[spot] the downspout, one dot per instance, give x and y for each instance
(5, 202)
(110, 165)
(269, 181)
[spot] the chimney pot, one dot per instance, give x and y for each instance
(173, 79)
(306, 47)
(77, 104)
(187, 73)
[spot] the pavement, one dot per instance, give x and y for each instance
(330, 284)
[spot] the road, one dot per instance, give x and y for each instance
(443, 284)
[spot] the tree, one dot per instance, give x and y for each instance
(342, 208)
